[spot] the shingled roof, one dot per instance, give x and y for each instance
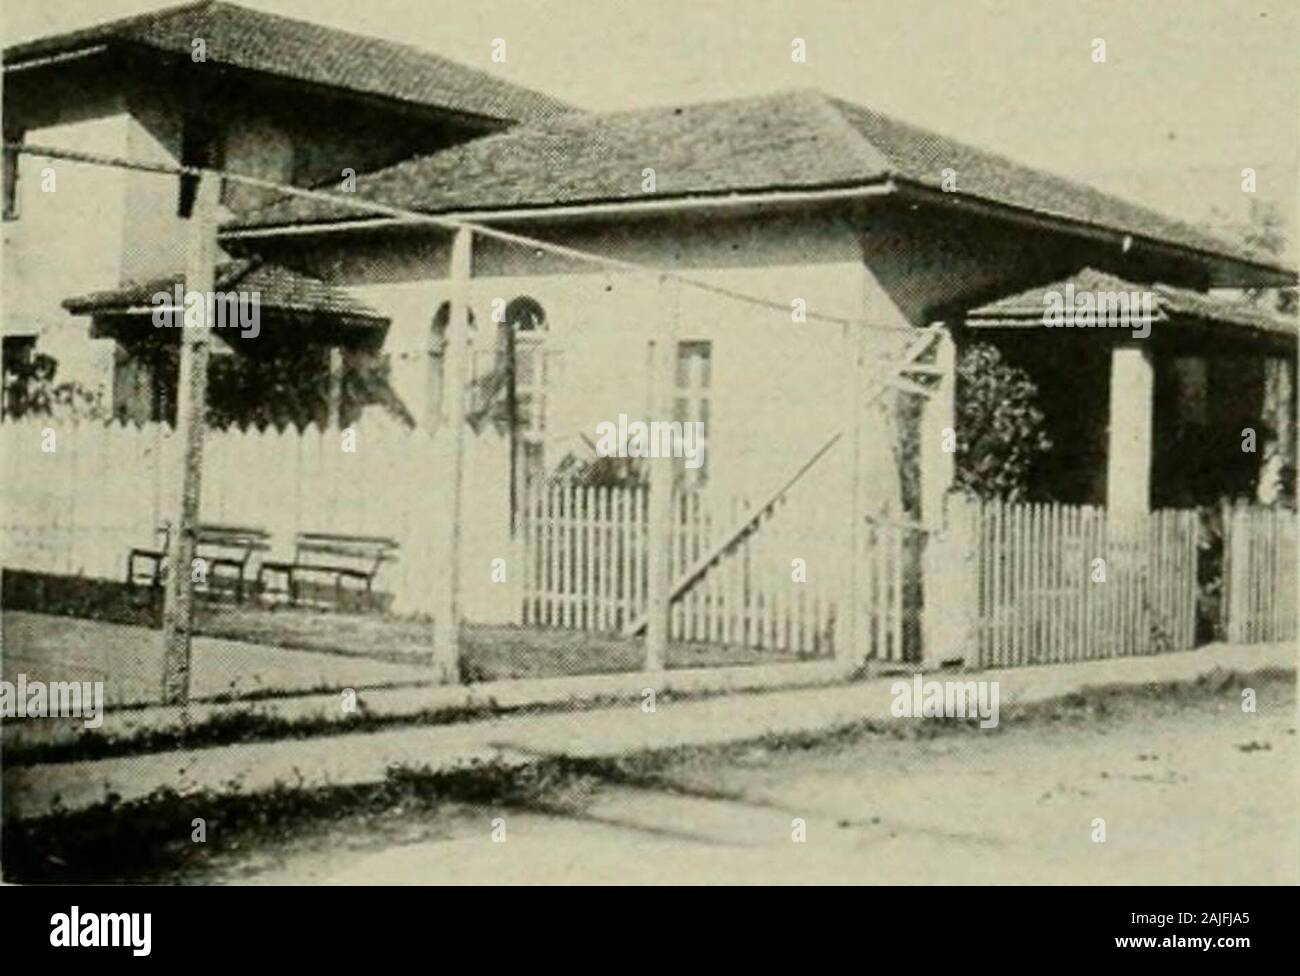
(1169, 303)
(801, 140)
(280, 290)
(254, 41)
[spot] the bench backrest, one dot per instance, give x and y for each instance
(366, 552)
(223, 541)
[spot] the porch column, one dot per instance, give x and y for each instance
(1128, 464)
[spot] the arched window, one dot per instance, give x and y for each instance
(525, 314)
(524, 332)
(523, 335)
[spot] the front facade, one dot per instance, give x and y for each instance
(812, 249)
(805, 266)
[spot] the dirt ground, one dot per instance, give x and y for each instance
(1192, 790)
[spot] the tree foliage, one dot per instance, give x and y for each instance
(31, 389)
(1000, 429)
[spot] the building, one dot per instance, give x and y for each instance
(811, 241)
(208, 83)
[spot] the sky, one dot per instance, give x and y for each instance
(1191, 91)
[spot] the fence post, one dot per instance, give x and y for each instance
(938, 452)
(191, 410)
(850, 638)
(945, 582)
(950, 586)
(1236, 547)
(660, 521)
(447, 609)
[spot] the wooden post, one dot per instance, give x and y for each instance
(939, 413)
(659, 517)
(850, 644)
(335, 418)
(447, 609)
(191, 410)
(944, 563)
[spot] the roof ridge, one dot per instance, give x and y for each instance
(868, 154)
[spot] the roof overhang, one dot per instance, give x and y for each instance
(281, 297)
(1226, 270)
(1223, 270)
(735, 201)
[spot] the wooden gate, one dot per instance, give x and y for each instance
(585, 568)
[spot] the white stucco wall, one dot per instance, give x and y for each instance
(779, 388)
(67, 242)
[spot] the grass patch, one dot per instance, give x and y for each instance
(490, 653)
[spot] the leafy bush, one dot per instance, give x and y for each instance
(1000, 429)
(30, 390)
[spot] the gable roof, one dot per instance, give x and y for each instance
(802, 140)
(1169, 302)
(280, 290)
(249, 39)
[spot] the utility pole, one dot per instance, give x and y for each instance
(191, 411)
(850, 641)
(660, 515)
(447, 609)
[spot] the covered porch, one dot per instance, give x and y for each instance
(1184, 400)
(294, 349)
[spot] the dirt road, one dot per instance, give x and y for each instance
(1191, 789)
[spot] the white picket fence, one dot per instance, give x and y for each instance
(1259, 574)
(75, 498)
(1065, 583)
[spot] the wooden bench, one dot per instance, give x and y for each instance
(220, 546)
(356, 557)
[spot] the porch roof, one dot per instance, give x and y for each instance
(280, 290)
(1169, 303)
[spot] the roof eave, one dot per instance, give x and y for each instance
(1262, 274)
(728, 200)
